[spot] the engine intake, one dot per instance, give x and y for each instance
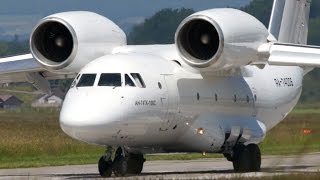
(199, 40)
(220, 39)
(53, 42)
(66, 42)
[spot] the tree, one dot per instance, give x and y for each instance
(160, 28)
(314, 31)
(3, 49)
(13, 48)
(315, 7)
(64, 84)
(261, 9)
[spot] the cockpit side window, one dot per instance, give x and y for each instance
(110, 79)
(138, 79)
(87, 80)
(128, 81)
(78, 76)
(74, 82)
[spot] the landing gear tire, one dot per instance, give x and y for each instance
(120, 164)
(240, 159)
(123, 163)
(127, 163)
(135, 163)
(247, 158)
(105, 167)
(255, 157)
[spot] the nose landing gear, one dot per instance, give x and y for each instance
(123, 163)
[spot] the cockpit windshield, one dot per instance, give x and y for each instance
(110, 79)
(87, 80)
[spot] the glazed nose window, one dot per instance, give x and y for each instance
(110, 79)
(87, 80)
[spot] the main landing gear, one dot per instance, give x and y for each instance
(123, 163)
(246, 158)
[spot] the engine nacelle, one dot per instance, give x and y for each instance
(65, 42)
(220, 39)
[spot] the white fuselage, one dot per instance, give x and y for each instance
(179, 110)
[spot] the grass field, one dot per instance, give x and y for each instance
(297, 176)
(35, 139)
(289, 138)
(31, 138)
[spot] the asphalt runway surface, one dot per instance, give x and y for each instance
(194, 169)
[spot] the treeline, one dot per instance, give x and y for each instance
(160, 28)
(14, 47)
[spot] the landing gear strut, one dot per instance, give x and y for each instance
(246, 158)
(123, 163)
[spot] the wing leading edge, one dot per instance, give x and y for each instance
(24, 68)
(282, 54)
(16, 64)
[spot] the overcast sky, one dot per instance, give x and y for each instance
(115, 8)
(19, 16)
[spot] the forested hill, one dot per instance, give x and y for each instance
(161, 27)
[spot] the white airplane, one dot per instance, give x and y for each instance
(225, 82)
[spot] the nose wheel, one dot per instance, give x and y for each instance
(120, 163)
(105, 163)
(124, 163)
(105, 167)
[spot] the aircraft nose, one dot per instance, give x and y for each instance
(82, 116)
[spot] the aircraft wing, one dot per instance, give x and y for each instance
(24, 68)
(292, 55)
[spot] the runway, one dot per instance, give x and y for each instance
(195, 169)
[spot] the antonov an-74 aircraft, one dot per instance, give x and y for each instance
(225, 82)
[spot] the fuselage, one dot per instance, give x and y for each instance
(173, 107)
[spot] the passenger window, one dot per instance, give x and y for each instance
(128, 81)
(110, 79)
(87, 80)
(138, 80)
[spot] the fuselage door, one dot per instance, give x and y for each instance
(170, 102)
